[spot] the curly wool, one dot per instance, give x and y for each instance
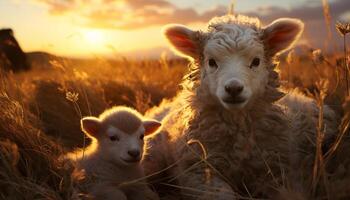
(254, 151)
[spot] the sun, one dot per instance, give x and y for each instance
(94, 36)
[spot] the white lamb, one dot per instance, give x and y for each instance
(112, 162)
(231, 131)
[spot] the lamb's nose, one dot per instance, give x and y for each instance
(234, 89)
(134, 153)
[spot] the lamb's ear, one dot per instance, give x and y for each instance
(281, 35)
(151, 126)
(183, 40)
(91, 126)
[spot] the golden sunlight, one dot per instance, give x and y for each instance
(94, 36)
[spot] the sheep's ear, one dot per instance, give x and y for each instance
(90, 126)
(151, 126)
(183, 40)
(281, 35)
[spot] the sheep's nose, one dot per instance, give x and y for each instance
(234, 88)
(134, 153)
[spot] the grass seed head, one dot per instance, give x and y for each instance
(342, 28)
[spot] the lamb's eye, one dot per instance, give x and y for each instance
(255, 63)
(114, 138)
(142, 136)
(212, 63)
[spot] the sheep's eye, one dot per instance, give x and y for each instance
(142, 136)
(114, 138)
(212, 63)
(255, 62)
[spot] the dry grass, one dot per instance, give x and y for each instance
(41, 109)
(29, 167)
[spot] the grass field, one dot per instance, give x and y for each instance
(40, 109)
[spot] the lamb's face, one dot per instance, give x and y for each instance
(120, 138)
(233, 55)
(234, 65)
(123, 148)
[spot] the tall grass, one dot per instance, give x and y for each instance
(40, 112)
(41, 109)
(29, 166)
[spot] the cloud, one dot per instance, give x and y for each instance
(312, 15)
(58, 7)
(305, 12)
(128, 14)
(139, 14)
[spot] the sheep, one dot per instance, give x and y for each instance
(112, 162)
(232, 131)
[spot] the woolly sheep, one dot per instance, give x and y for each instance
(231, 131)
(112, 161)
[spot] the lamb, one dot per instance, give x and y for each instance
(231, 131)
(112, 161)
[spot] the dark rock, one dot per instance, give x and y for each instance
(12, 58)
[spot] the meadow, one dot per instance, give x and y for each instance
(40, 109)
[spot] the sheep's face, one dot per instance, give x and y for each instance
(234, 67)
(233, 56)
(122, 146)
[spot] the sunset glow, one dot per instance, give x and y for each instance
(134, 27)
(94, 37)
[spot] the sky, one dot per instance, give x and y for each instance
(86, 28)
